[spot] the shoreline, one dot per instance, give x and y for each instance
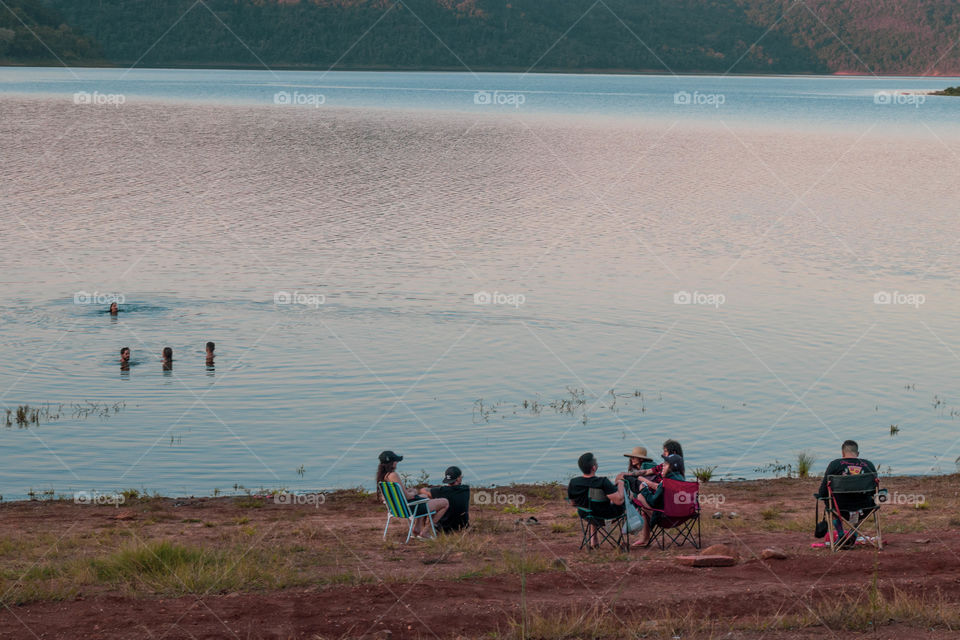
(462, 70)
(251, 567)
(89, 497)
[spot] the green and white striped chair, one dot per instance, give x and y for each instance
(399, 507)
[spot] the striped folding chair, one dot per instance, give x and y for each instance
(399, 507)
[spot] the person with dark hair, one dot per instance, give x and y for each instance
(125, 358)
(167, 359)
(580, 488)
(650, 497)
(670, 448)
(210, 354)
(850, 463)
(673, 448)
(457, 494)
(387, 472)
(114, 308)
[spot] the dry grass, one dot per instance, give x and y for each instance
(867, 611)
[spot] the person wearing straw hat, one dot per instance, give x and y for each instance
(637, 461)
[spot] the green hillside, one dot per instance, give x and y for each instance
(33, 33)
(715, 36)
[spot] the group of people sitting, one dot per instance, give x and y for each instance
(643, 481)
(449, 502)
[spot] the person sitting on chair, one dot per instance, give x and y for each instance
(655, 472)
(650, 497)
(637, 461)
(457, 495)
(850, 463)
(580, 488)
(387, 472)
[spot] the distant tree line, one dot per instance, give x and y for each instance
(31, 31)
(715, 36)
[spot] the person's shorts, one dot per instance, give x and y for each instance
(608, 511)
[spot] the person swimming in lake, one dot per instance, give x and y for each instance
(114, 308)
(167, 359)
(210, 354)
(124, 358)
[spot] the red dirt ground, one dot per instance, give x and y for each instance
(420, 591)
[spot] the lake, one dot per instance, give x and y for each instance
(495, 271)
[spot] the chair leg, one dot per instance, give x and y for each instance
(386, 527)
(876, 516)
(830, 530)
(432, 527)
(409, 532)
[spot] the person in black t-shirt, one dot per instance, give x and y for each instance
(579, 490)
(850, 464)
(457, 494)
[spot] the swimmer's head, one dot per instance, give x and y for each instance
(167, 353)
(125, 354)
(114, 308)
(210, 347)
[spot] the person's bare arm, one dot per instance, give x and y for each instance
(617, 496)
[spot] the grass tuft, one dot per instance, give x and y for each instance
(804, 464)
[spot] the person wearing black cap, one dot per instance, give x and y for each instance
(457, 494)
(651, 495)
(387, 472)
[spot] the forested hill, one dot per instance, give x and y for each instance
(742, 36)
(32, 32)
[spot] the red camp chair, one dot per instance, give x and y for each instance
(674, 524)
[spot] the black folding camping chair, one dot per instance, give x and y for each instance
(852, 501)
(605, 530)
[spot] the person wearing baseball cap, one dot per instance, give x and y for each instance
(457, 495)
(387, 472)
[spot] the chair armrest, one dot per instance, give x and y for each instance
(418, 501)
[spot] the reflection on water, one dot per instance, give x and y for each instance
(370, 276)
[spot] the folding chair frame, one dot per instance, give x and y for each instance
(678, 534)
(612, 531)
(397, 502)
(831, 510)
(677, 530)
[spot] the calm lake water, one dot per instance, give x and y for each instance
(386, 206)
